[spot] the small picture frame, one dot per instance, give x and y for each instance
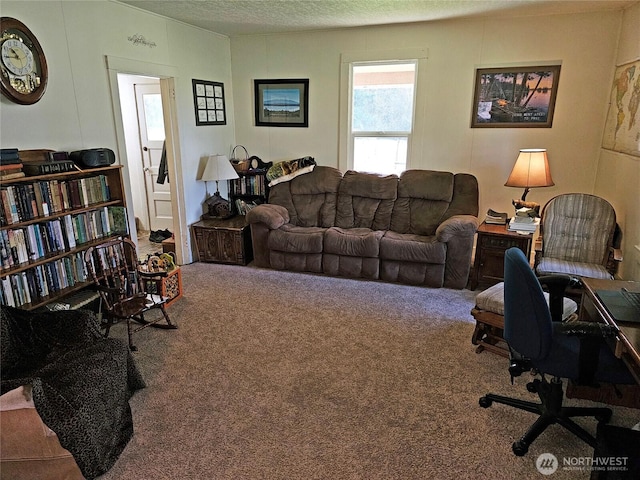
(208, 100)
(515, 97)
(282, 103)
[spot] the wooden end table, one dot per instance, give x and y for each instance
(224, 241)
(493, 241)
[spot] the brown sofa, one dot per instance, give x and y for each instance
(416, 229)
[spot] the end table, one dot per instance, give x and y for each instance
(224, 241)
(492, 242)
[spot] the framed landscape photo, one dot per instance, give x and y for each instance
(208, 98)
(282, 103)
(515, 97)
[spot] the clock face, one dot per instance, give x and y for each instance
(23, 67)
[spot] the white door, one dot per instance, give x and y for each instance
(151, 128)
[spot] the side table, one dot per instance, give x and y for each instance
(492, 242)
(224, 241)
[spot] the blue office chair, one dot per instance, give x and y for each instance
(538, 340)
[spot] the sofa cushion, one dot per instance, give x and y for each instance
(353, 242)
(310, 199)
(365, 200)
(294, 239)
(423, 198)
(406, 247)
(427, 198)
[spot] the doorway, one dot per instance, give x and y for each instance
(129, 71)
(144, 137)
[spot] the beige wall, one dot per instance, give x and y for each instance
(585, 44)
(618, 177)
(76, 110)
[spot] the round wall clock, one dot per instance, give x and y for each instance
(23, 67)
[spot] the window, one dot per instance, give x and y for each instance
(382, 100)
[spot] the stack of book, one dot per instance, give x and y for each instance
(10, 164)
(495, 218)
(525, 220)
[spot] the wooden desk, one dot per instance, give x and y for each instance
(627, 343)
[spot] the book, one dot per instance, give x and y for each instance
(46, 168)
(495, 218)
(11, 176)
(9, 167)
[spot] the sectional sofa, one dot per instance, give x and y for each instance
(416, 229)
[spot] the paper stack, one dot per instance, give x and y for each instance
(495, 218)
(525, 220)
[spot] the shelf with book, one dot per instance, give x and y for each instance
(46, 224)
(249, 189)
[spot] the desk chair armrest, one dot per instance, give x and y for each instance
(587, 329)
(556, 285)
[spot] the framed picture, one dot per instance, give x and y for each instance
(515, 97)
(208, 99)
(282, 103)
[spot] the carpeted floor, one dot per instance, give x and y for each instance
(278, 375)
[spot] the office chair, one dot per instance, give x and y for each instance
(126, 292)
(578, 236)
(538, 340)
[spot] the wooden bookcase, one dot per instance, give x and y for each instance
(46, 224)
(250, 188)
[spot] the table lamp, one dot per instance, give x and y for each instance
(218, 168)
(531, 170)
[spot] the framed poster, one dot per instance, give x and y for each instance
(515, 97)
(208, 99)
(282, 103)
(622, 128)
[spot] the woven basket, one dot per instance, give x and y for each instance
(241, 165)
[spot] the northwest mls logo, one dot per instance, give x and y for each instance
(547, 463)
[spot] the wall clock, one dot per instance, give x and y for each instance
(23, 67)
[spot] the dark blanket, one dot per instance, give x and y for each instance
(81, 381)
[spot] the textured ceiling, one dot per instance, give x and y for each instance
(246, 17)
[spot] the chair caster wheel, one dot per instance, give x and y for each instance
(533, 387)
(485, 402)
(604, 418)
(520, 448)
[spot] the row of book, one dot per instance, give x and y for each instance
(42, 239)
(249, 185)
(22, 202)
(33, 285)
(10, 164)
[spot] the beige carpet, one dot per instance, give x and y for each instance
(277, 375)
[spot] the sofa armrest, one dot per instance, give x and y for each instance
(273, 216)
(457, 226)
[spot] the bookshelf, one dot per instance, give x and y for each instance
(46, 224)
(251, 187)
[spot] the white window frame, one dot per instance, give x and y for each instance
(348, 61)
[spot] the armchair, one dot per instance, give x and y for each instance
(578, 236)
(538, 340)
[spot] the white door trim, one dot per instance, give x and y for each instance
(166, 73)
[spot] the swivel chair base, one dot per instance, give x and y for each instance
(550, 411)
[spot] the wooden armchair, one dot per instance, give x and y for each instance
(578, 236)
(126, 292)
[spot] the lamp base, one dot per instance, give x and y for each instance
(217, 207)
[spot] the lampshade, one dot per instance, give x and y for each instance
(530, 170)
(218, 167)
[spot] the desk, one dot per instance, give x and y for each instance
(627, 343)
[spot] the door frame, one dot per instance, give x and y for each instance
(166, 74)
